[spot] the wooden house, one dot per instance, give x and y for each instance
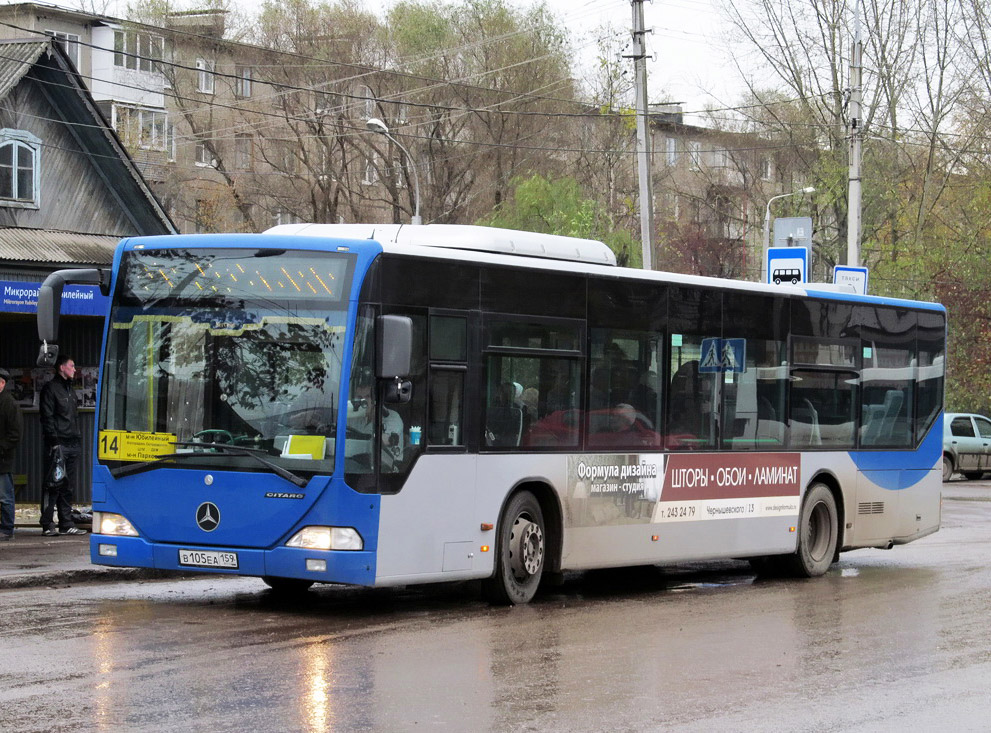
(68, 193)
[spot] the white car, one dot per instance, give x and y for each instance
(966, 445)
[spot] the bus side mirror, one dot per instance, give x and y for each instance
(395, 346)
(50, 306)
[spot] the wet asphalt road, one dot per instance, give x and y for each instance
(887, 641)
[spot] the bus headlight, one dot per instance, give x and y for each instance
(327, 538)
(113, 524)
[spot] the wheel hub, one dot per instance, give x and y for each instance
(526, 548)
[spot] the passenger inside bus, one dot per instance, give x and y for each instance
(360, 439)
(504, 418)
(691, 411)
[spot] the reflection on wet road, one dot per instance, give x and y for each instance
(885, 641)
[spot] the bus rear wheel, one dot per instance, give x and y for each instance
(287, 586)
(520, 552)
(819, 531)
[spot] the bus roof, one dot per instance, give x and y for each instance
(464, 237)
(540, 251)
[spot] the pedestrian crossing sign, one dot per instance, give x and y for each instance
(723, 355)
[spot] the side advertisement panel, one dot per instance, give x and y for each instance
(652, 489)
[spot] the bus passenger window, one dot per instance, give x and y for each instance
(693, 397)
(447, 390)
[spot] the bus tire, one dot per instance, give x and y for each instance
(818, 533)
(287, 586)
(520, 552)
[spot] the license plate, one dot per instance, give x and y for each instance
(208, 559)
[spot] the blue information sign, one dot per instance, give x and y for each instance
(787, 265)
(77, 300)
(723, 355)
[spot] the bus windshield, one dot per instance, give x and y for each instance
(226, 346)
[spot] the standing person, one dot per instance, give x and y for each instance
(10, 436)
(60, 427)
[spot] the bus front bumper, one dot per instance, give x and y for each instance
(322, 566)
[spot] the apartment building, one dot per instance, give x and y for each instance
(710, 189)
(233, 137)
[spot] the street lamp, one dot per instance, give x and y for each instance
(767, 224)
(376, 125)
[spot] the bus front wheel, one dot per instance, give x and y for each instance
(520, 552)
(818, 533)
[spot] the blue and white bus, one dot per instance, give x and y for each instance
(384, 405)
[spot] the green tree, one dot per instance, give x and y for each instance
(557, 206)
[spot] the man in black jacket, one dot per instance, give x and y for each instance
(10, 436)
(60, 427)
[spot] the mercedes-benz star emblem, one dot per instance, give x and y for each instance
(207, 516)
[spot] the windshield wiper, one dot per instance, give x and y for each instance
(220, 447)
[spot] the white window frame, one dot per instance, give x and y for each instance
(671, 150)
(22, 140)
(138, 51)
(205, 80)
(368, 101)
(324, 102)
(242, 84)
(283, 216)
(244, 151)
(202, 156)
(695, 155)
(370, 176)
(69, 43)
(766, 168)
(152, 128)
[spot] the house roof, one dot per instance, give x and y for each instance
(16, 60)
(45, 62)
(55, 247)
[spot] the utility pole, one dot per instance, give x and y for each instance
(643, 136)
(856, 137)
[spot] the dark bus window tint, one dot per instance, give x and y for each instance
(823, 409)
(823, 352)
(624, 396)
(888, 376)
(822, 319)
(961, 427)
(428, 282)
(755, 399)
(626, 304)
(448, 338)
(750, 316)
(693, 396)
(889, 387)
(361, 445)
(531, 291)
(693, 310)
(403, 423)
(754, 392)
(932, 363)
(694, 315)
(520, 334)
(446, 409)
(531, 401)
